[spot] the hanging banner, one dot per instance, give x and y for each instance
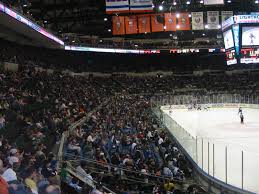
(131, 24)
(141, 5)
(197, 21)
(213, 19)
(183, 21)
(225, 15)
(144, 23)
(170, 22)
(157, 22)
(118, 25)
(236, 30)
(117, 6)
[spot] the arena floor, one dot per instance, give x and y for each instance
(222, 128)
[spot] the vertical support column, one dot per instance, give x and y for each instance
(213, 155)
(202, 153)
(197, 162)
(226, 163)
(208, 157)
(242, 169)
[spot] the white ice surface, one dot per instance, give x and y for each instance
(222, 128)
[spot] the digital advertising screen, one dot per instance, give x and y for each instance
(249, 55)
(228, 39)
(250, 36)
(213, 2)
(231, 57)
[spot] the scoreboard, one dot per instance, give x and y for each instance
(231, 57)
(249, 55)
(241, 39)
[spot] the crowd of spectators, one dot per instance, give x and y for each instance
(121, 145)
(122, 136)
(124, 139)
(35, 108)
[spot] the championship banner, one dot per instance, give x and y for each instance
(131, 24)
(184, 22)
(157, 22)
(118, 25)
(144, 23)
(117, 6)
(141, 5)
(170, 21)
(213, 19)
(197, 21)
(225, 15)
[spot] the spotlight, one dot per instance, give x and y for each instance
(177, 15)
(190, 15)
(109, 30)
(229, 1)
(206, 26)
(201, 1)
(160, 7)
(188, 2)
(105, 19)
(256, 1)
(203, 34)
(219, 26)
(178, 26)
(164, 27)
(174, 3)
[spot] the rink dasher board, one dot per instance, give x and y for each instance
(223, 105)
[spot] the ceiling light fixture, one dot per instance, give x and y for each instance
(160, 7)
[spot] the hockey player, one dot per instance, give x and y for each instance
(242, 118)
(240, 111)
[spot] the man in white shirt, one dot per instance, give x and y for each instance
(8, 174)
(160, 140)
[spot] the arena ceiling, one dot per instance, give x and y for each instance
(84, 18)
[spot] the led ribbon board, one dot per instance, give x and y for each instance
(29, 23)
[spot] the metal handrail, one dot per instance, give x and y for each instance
(65, 136)
(76, 161)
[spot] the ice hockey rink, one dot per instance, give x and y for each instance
(219, 131)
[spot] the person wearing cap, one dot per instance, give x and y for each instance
(14, 157)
